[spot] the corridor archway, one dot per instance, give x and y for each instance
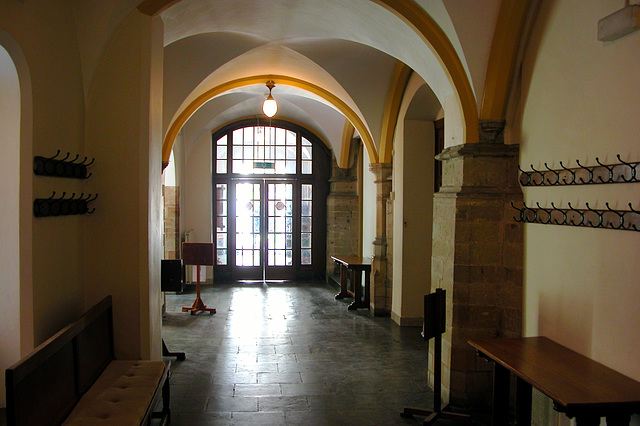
(16, 310)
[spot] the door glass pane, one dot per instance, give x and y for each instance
(221, 223)
(279, 201)
(305, 224)
(247, 224)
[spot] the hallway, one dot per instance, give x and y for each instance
(289, 354)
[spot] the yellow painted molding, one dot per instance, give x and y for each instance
(191, 108)
(399, 80)
(504, 49)
(347, 135)
(433, 36)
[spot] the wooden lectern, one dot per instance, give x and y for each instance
(197, 254)
(433, 326)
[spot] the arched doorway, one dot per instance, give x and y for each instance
(269, 201)
(9, 214)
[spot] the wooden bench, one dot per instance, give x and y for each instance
(74, 379)
(579, 387)
(351, 270)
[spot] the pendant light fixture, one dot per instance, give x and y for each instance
(270, 107)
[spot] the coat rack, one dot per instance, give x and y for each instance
(434, 325)
(62, 167)
(627, 220)
(62, 206)
(622, 172)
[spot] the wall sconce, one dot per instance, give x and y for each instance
(270, 107)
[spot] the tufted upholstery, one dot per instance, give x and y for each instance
(120, 396)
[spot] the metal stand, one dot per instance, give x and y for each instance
(198, 304)
(433, 327)
(198, 254)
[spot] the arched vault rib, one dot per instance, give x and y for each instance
(400, 77)
(433, 36)
(340, 105)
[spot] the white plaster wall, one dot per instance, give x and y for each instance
(52, 277)
(397, 188)
(413, 167)
(368, 208)
(123, 236)
(9, 216)
(580, 100)
(196, 194)
(196, 211)
(417, 219)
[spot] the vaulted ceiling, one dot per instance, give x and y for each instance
(332, 61)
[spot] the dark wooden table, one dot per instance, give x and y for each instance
(351, 269)
(579, 387)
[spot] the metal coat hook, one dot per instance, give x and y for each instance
(61, 206)
(622, 172)
(62, 167)
(628, 220)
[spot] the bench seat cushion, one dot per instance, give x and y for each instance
(120, 396)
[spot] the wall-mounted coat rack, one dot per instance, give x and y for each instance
(62, 167)
(622, 172)
(62, 206)
(628, 220)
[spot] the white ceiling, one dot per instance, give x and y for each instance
(348, 47)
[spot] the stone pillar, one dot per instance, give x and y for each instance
(380, 282)
(477, 258)
(343, 215)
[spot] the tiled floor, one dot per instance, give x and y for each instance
(289, 354)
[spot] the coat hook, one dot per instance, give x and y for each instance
(580, 214)
(609, 169)
(571, 172)
(590, 173)
(521, 219)
(553, 172)
(631, 167)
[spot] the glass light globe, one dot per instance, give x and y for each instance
(270, 107)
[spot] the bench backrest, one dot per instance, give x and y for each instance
(44, 386)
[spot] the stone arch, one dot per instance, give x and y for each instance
(351, 115)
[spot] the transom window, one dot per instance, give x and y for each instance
(264, 150)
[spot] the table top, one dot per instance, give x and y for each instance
(570, 379)
(350, 261)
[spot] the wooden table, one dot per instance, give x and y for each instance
(351, 269)
(579, 387)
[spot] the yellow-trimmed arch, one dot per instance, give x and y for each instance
(347, 135)
(192, 107)
(433, 36)
(502, 56)
(399, 79)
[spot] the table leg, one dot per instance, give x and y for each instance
(500, 408)
(620, 419)
(343, 283)
(367, 286)
(356, 281)
(587, 420)
(523, 402)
